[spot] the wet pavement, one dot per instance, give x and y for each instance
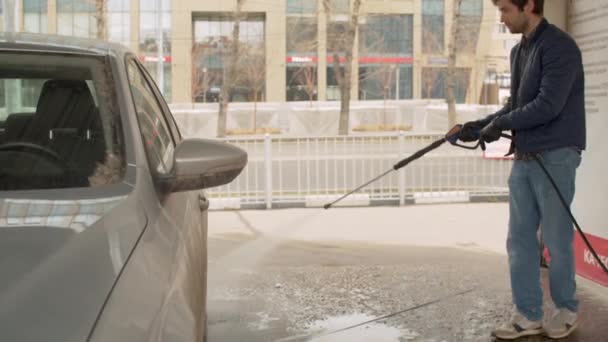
(270, 284)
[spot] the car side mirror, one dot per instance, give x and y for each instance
(201, 164)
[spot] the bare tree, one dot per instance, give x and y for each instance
(231, 73)
(430, 78)
(202, 78)
(306, 76)
(101, 18)
(302, 40)
(450, 77)
(382, 74)
(343, 43)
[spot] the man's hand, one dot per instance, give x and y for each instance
(470, 131)
(491, 132)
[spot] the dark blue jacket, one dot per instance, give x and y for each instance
(547, 105)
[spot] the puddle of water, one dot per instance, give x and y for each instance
(371, 332)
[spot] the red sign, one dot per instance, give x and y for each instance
(154, 59)
(305, 59)
(362, 60)
(586, 264)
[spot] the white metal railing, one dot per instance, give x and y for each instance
(292, 170)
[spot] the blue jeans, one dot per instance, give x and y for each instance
(533, 204)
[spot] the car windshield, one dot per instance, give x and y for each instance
(58, 122)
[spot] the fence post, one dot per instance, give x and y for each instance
(401, 141)
(268, 169)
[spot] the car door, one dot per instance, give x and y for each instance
(191, 210)
(161, 295)
(183, 213)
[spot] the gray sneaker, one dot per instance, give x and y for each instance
(562, 324)
(517, 327)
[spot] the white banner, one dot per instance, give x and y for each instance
(588, 25)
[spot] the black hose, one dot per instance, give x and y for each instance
(567, 207)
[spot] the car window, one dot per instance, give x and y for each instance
(167, 112)
(56, 131)
(154, 130)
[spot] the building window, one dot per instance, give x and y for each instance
(469, 25)
(502, 28)
(301, 7)
(385, 82)
(434, 83)
(76, 18)
(119, 21)
(155, 31)
(302, 82)
(333, 89)
(212, 55)
(509, 44)
(385, 50)
(433, 26)
(336, 36)
(386, 35)
(35, 16)
(302, 58)
(338, 6)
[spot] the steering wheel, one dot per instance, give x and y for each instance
(37, 150)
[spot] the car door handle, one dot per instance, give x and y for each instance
(203, 202)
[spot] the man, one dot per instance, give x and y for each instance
(546, 114)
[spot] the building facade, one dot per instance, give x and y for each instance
(287, 47)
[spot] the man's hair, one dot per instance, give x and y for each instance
(538, 5)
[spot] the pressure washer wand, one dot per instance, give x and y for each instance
(399, 165)
(451, 136)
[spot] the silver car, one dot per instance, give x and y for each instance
(103, 218)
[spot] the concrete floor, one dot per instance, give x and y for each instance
(299, 274)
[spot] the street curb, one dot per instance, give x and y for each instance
(360, 200)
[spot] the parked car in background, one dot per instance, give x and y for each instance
(103, 217)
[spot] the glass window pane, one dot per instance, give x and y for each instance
(301, 36)
(340, 6)
(154, 129)
(386, 34)
(53, 105)
(302, 82)
(44, 26)
(433, 26)
(152, 5)
(118, 5)
(64, 24)
(31, 23)
(434, 83)
(471, 7)
(213, 37)
(119, 29)
(82, 25)
(406, 90)
(301, 6)
(36, 6)
(75, 6)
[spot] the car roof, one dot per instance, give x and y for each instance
(58, 44)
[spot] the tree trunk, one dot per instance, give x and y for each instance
(344, 109)
(100, 16)
(255, 112)
(228, 82)
(345, 80)
(451, 72)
